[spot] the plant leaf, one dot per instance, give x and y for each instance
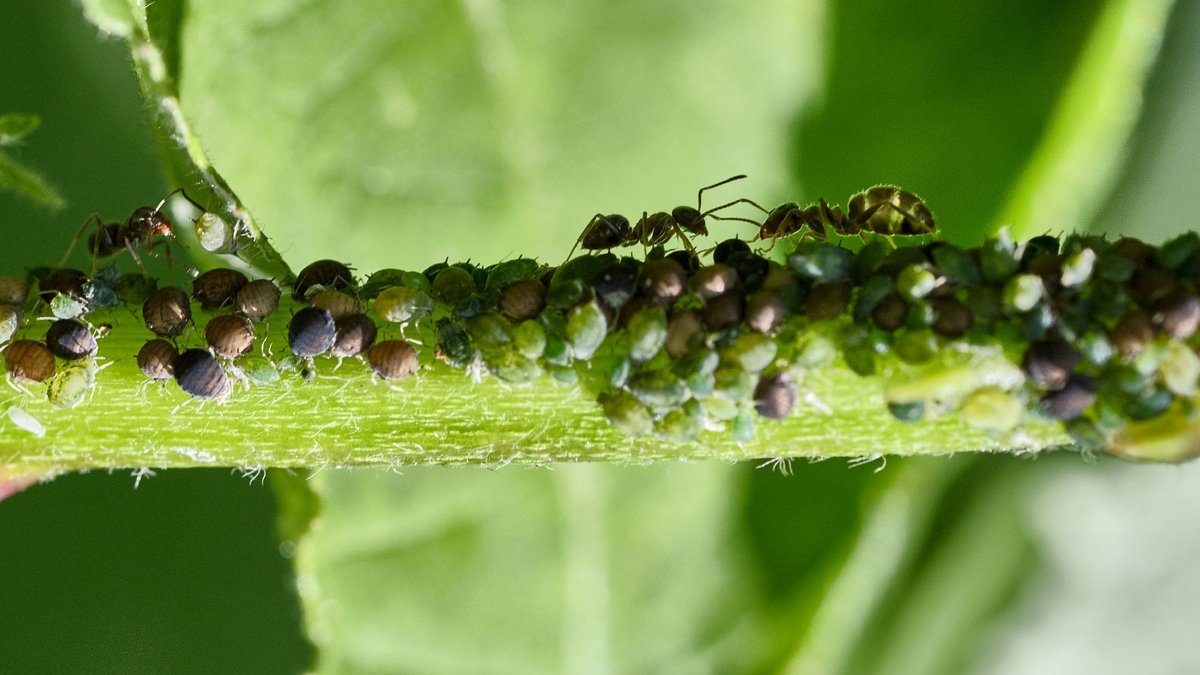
(23, 181)
(15, 126)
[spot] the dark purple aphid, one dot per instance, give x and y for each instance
(70, 339)
(324, 273)
(199, 374)
(775, 396)
(311, 332)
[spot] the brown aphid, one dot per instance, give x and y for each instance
(1132, 333)
(682, 329)
(257, 300)
(13, 291)
(156, 359)
(1178, 314)
(67, 281)
(775, 396)
(354, 335)
(167, 312)
(889, 313)
(723, 311)
(70, 339)
(951, 318)
(1150, 284)
(713, 280)
(765, 312)
(1069, 402)
(199, 374)
(311, 332)
(827, 300)
(29, 362)
(229, 335)
(217, 288)
(522, 300)
(324, 273)
(337, 303)
(661, 280)
(393, 359)
(1049, 362)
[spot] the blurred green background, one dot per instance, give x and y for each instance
(399, 136)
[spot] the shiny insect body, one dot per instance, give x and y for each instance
(604, 232)
(139, 231)
(884, 210)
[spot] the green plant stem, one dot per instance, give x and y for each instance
(347, 417)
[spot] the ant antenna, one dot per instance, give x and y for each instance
(699, 195)
(179, 191)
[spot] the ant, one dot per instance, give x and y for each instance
(143, 225)
(604, 232)
(884, 209)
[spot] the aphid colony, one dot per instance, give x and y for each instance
(1090, 332)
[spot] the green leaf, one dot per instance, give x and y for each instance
(14, 127)
(114, 17)
(23, 181)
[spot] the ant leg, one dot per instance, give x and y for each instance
(586, 229)
(94, 218)
(136, 259)
(687, 243)
(743, 200)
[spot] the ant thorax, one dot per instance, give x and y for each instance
(145, 223)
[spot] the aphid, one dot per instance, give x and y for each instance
(393, 359)
(13, 291)
(723, 311)
(215, 235)
(337, 303)
(10, 321)
(713, 280)
(70, 339)
(167, 312)
(886, 209)
(139, 230)
(68, 387)
(156, 359)
(662, 280)
(354, 334)
(774, 396)
(1070, 401)
(22, 418)
(324, 273)
(522, 300)
(311, 332)
(29, 362)
(199, 374)
(218, 287)
(257, 300)
(765, 312)
(229, 335)
(64, 281)
(401, 304)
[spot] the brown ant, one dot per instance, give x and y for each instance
(143, 225)
(884, 209)
(604, 232)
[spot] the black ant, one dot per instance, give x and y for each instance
(143, 225)
(884, 209)
(604, 232)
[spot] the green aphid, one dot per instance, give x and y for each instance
(1172, 437)
(700, 361)
(1023, 292)
(647, 332)
(998, 257)
(812, 351)
(721, 409)
(916, 281)
(1086, 434)
(860, 359)
(870, 259)
(660, 391)
(101, 293)
(505, 273)
(1077, 268)
(1180, 369)
(702, 385)
(949, 383)
(135, 288)
(872, 291)
(742, 427)
(752, 352)
(403, 304)
(490, 330)
(10, 321)
(453, 286)
(1095, 347)
(913, 411)
(915, 346)
(529, 337)
(454, 343)
(957, 265)
(585, 268)
(384, 278)
(626, 414)
(510, 366)
(556, 352)
(735, 384)
(586, 328)
(1175, 252)
(564, 375)
(821, 261)
(67, 307)
(564, 294)
(1114, 267)
(258, 369)
(678, 427)
(71, 384)
(1150, 405)
(992, 408)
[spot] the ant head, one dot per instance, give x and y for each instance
(690, 219)
(151, 221)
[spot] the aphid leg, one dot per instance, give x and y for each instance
(94, 218)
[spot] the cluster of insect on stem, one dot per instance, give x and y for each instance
(1098, 336)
